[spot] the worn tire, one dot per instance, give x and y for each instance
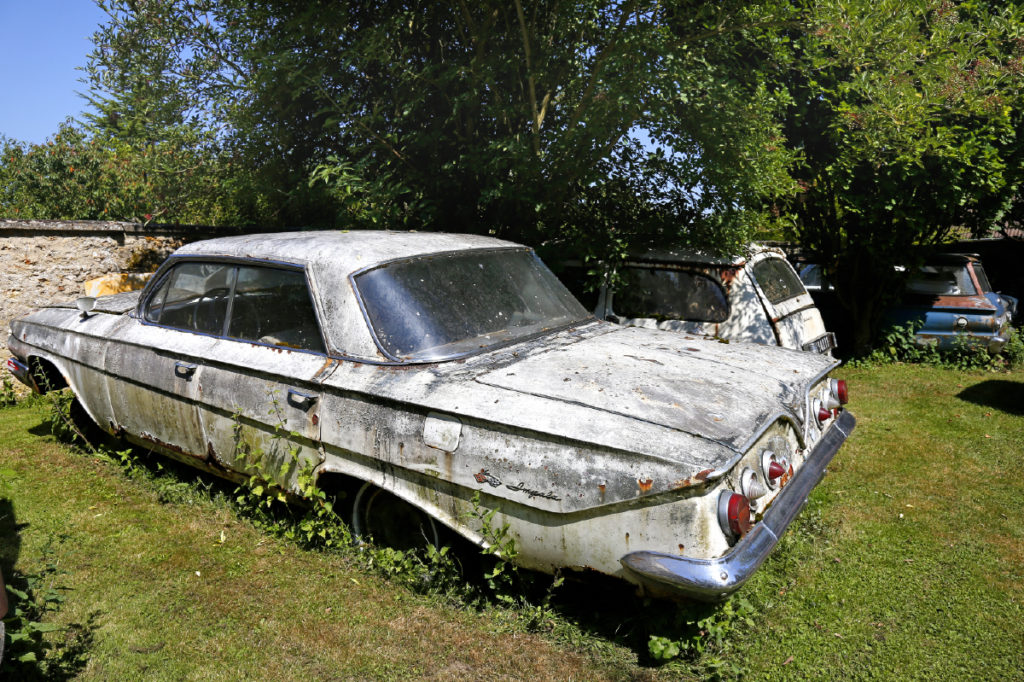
(386, 519)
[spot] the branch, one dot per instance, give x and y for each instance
(602, 57)
(538, 117)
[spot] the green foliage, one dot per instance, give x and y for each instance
(906, 117)
(1013, 351)
(8, 396)
(707, 639)
(62, 425)
(523, 120)
(899, 344)
(86, 175)
(503, 576)
(36, 648)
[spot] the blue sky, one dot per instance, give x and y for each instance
(43, 41)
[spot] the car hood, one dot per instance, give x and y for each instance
(725, 393)
(114, 304)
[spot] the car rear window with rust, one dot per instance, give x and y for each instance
(664, 293)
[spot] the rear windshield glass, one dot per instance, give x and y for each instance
(778, 280)
(941, 280)
(669, 294)
(445, 305)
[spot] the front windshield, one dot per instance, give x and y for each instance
(444, 305)
(941, 280)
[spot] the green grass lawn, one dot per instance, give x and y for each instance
(908, 563)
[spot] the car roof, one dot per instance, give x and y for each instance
(331, 258)
(342, 250)
(683, 255)
(951, 258)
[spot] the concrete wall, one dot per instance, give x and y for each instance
(46, 261)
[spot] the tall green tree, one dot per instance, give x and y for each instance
(519, 118)
(907, 118)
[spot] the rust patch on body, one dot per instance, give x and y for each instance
(728, 275)
(167, 446)
(645, 485)
(703, 475)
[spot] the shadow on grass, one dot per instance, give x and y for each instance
(35, 649)
(611, 610)
(998, 394)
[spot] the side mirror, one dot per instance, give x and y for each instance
(85, 305)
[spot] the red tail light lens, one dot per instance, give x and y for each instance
(839, 391)
(773, 468)
(734, 513)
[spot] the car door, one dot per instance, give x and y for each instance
(794, 317)
(260, 393)
(154, 374)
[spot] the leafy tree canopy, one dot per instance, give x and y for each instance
(522, 119)
(906, 118)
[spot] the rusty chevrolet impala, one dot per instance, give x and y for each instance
(421, 371)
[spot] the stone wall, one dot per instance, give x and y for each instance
(46, 261)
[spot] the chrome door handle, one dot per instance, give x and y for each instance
(183, 370)
(301, 400)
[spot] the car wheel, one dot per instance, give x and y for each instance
(386, 519)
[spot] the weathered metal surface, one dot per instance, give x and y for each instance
(977, 317)
(753, 318)
(712, 579)
(593, 442)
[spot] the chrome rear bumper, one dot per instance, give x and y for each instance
(714, 579)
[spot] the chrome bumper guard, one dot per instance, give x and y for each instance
(715, 579)
(823, 344)
(21, 373)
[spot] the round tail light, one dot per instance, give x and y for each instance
(751, 486)
(839, 391)
(773, 467)
(734, 514)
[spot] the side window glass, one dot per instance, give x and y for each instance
(273, 306)
(193, 297)
(778, 280)
(979, 272)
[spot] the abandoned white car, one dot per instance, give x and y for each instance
(419, 370)
(757, 297)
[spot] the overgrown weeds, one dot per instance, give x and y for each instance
(308, 518)
(35, 647)
(8, 396)
(900, 344)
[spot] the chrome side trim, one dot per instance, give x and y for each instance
(714, 579)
